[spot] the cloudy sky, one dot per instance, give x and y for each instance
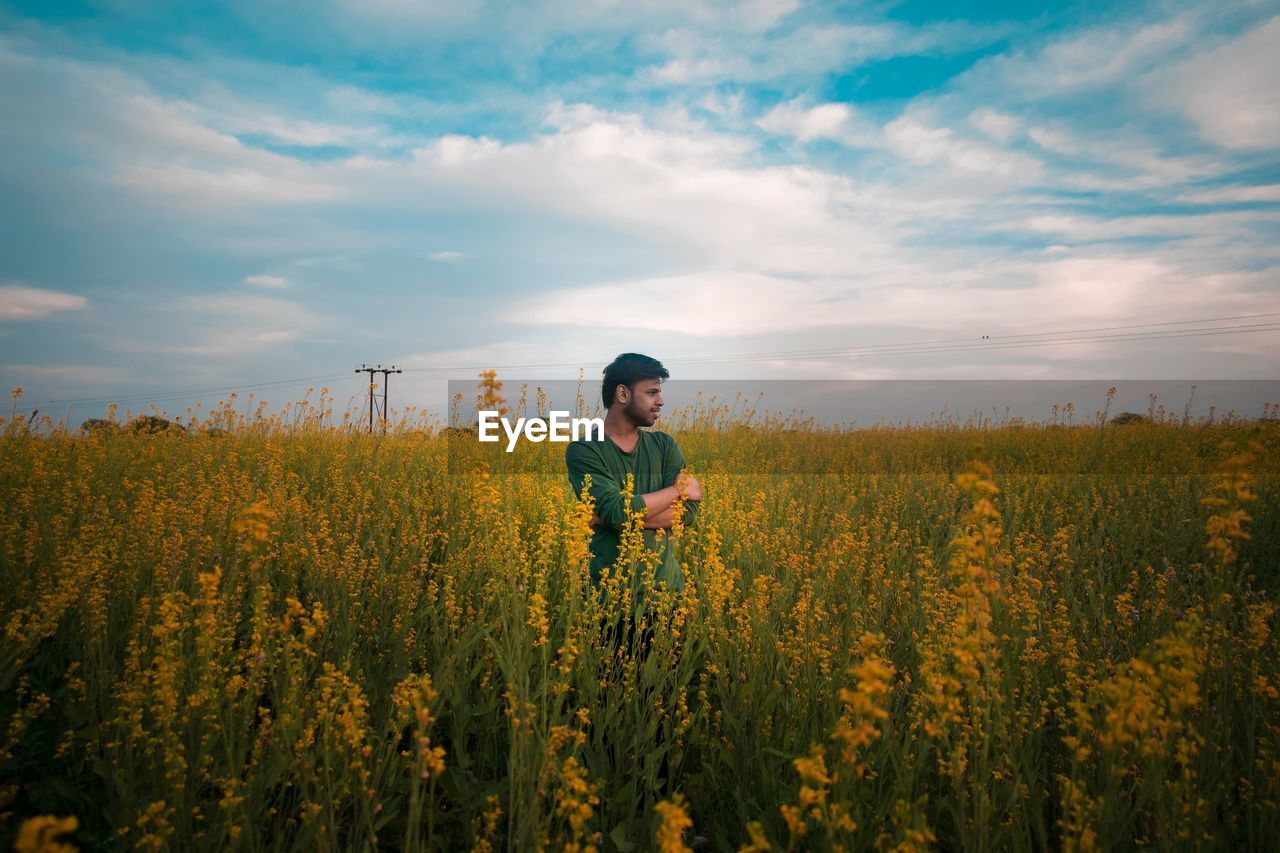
(200, 196)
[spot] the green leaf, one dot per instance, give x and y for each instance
(619, 837)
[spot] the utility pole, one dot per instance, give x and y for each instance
(385, 371)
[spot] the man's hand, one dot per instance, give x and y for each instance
(595, 523)
(689, 487)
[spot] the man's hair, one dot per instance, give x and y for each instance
(628, 369)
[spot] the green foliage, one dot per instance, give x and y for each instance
(99, 427)
(153, 424)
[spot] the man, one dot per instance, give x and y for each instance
(632, 395)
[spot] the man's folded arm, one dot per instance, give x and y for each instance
(607, 492)
(661, 520)
(660, 501)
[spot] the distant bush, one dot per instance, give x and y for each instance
(99, 426)
(1125, 418)
(152, 425)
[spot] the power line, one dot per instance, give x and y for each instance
(839, 350)
(940, 346)
(987, 344)
(176, 395)
(904, 348)
(404, 407)
(979, 343)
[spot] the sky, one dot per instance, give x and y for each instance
(196, 197)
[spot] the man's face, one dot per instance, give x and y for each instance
(645, 402)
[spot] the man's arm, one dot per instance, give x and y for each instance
(661, 500)
(662, 520)
(606, 493)
(665, 518)
(660, 505)
(610, 510)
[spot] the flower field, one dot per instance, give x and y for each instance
(284, 633)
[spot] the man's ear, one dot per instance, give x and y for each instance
(621, 394)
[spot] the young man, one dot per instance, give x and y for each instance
(632, 395)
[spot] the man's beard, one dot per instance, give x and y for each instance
(639, 415)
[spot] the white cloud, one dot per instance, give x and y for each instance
(997, 125)
(178, 185)
(79, 373)
(226, 324)
(1050, 295)
(824, 121)
(722, 104)
(703, 70)
(1096, 228)
(520, 35)
(276, 336)
(1231, 92)
(702, 304)
(1054, 140)
(1100, 56)
(274, 282)
(1233, 194)
(20, 302)
(1087, 58)
(1119, 161)
(446, 257)
(924, 143)
(167, 150)
(691, 187)
(763, 15)
(300, 132)
(703, 55)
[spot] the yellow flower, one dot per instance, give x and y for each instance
(1234, 489)
(812, 769)
(674, 822)
(539, 621)
(40, 834)
(758, 843)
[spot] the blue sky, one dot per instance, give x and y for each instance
(214, 195)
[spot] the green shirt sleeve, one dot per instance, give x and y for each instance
(583, 458)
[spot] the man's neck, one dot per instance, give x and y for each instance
(620, 428)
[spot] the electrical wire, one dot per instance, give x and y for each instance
(920, 347)
(993, 343)
(177, 395)
(1028, 340)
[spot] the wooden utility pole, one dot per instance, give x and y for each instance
(386, 372)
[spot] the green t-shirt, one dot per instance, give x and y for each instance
(654, 464)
